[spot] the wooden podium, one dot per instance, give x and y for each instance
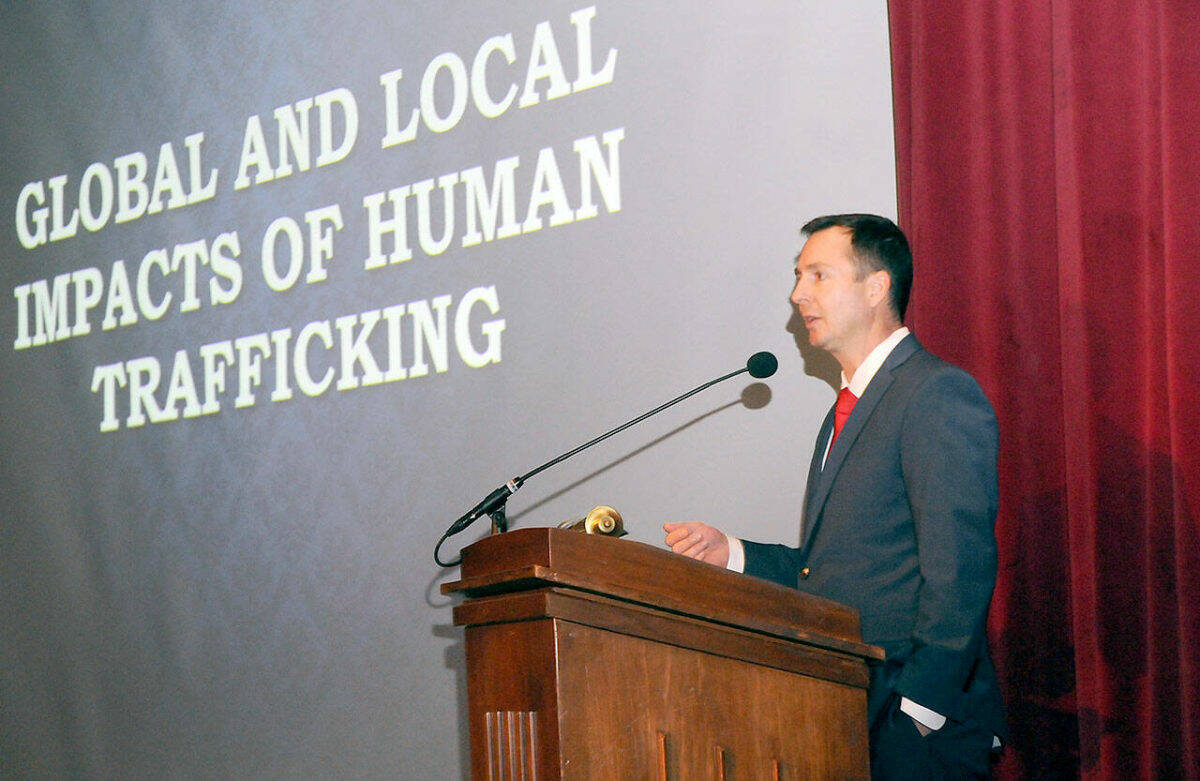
(590, 657)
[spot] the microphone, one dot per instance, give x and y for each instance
(759, 365)
(762, 365)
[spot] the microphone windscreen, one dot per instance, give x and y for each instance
(762, 365)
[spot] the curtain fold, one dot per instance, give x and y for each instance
(1048, 160)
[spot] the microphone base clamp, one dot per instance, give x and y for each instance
(499, 520)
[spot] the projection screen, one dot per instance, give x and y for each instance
(290, 286)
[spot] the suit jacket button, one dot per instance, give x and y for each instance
(804, 573)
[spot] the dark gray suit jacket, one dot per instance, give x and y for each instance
(900, 525)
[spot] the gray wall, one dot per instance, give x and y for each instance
(204, 579)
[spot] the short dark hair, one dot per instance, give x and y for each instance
(879, 245)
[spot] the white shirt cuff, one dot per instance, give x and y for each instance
(922, 714)
(737, 554)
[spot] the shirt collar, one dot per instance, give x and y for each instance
(870, 365)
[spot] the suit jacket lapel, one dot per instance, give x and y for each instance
(821, 480)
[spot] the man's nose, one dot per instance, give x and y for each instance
(799, 292)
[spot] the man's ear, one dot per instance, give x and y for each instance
(879, 287)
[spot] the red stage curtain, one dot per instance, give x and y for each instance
(1049, 169)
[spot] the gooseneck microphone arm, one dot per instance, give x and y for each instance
(759, 365)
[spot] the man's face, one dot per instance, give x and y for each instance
(836, 306)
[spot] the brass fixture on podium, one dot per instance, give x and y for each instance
(602, 519)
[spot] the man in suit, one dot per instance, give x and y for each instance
(900, 508)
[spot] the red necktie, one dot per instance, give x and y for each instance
(841, 411)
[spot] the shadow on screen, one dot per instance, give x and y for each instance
(754, 396)
(456, 660)
(817, 362)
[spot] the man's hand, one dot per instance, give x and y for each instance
(698, 541)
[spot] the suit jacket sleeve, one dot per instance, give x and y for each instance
(949, 445)
(771, 561)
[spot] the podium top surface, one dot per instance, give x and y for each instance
(643, 574)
